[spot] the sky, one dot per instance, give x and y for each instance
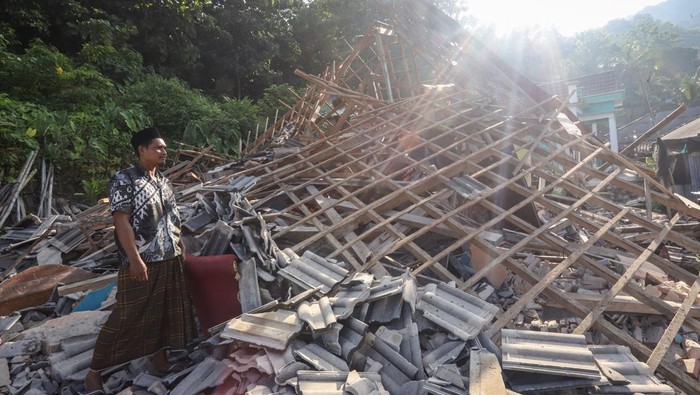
(567, 16)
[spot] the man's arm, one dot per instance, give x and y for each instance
(125, 233)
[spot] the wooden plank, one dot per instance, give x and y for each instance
(624, 279)
(675, 375)
(500, 217)
(647, 198)
(323, 229)
(537, 288)
(87, 285)
(9, 271)
(391, 200)
(22, 180)
(419, 221)
(626, 304)
(662, 347)
(357, 245)
(649, 133)
(613, 237)
(485, 376)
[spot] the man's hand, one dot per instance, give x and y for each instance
(137, 268)
(138, 271)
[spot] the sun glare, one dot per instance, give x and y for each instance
(568, 17)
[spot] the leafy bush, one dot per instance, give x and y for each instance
(17, 132)
(170, 104)
(186, 115)
(273, 99)
(35, 75)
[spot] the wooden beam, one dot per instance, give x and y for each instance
(662, 347)
(538, 287)
(87, 285)
(624, 279)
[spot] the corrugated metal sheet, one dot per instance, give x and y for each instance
(311, 270)
(639, 376)
(548, 353)
(455, 310)
(272, 329)
(67, 240)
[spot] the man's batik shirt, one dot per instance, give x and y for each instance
(152, 211)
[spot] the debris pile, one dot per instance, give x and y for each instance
(423, 220)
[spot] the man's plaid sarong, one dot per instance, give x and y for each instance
(147, 317)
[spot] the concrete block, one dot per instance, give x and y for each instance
(72, 365)
(692, 349)
(653, 334)
(72, 347)
(653, 290)
(692, 367)
(75, 324)
(78, 344)
(21, 347)
(674, 296)
(638, 334)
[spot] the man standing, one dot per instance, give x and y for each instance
(153, 311)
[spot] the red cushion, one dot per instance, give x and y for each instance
(212, 283)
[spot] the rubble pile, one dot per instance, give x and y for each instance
(423, 220)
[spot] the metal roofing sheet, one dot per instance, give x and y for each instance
(548, 353)
(67, 240)
(640, 379)
(466, 186)
(272, 329)
(460, 313)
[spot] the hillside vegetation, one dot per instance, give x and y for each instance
(78, 76)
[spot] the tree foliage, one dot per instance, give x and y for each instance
(78, 76)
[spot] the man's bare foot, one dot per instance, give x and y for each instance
(93, 380)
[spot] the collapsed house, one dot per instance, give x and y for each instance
(423, 220)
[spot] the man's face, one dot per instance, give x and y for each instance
(155, 153)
